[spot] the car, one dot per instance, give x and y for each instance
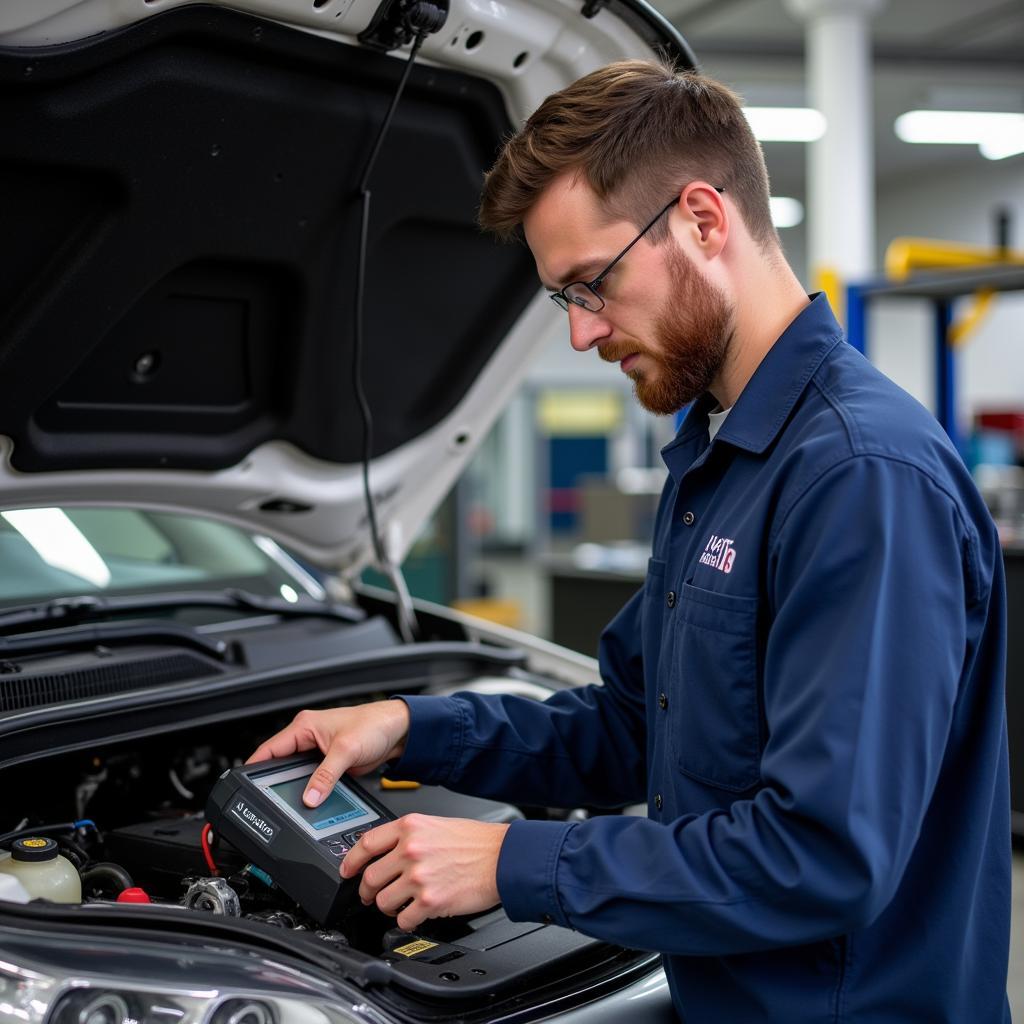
(249, 338)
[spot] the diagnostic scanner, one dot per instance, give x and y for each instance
(258, 809)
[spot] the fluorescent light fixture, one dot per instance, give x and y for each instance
(997, 134)
(60, 543)
(999, 149)
(786, 124)
(787, 212)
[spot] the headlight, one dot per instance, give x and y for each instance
(93, 1008)
(109, 1006)
(42, 981)
(243, 1011)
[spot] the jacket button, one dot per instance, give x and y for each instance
(689, 519)
(662, 701)
(657, 801)
(671, 599)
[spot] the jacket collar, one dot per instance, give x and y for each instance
(771, 393)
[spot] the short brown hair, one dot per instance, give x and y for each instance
(637, 131)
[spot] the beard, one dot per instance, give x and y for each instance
(693, 332)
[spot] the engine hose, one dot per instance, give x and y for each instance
(107, 872)
(75, 853)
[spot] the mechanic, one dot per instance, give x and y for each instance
(808, 689)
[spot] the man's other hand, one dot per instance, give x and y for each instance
(420, 867)
(355, 740)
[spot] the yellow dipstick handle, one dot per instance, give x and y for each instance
(397, 784)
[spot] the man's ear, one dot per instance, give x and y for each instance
(707, 217)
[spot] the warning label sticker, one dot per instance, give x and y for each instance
(412, 948)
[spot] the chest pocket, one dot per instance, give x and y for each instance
(714, 706)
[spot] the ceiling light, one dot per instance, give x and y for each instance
(997, 134)
(786, 211)
(1009, 145)
(786, 124)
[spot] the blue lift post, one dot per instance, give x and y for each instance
(945, 371)
(941, 290)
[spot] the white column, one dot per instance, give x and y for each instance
(840, 165)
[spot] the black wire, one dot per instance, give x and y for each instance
(417, 43)
(357, 342)
(35, 830)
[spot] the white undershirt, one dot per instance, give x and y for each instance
(715, 421)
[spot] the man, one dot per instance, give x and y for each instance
(808, 690)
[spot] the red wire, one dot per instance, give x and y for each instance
(207, 854)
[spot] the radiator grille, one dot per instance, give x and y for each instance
(18, 692)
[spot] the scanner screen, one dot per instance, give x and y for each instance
(336, 807)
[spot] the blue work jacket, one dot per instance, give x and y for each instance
(808, 694)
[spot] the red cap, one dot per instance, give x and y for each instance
(134, 895)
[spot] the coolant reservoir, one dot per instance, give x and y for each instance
(42, 871)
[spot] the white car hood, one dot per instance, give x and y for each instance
(115, 259)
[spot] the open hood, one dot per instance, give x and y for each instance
(178, 271)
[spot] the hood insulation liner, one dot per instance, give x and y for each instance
(180, 218)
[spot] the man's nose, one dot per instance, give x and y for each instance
(586, 329)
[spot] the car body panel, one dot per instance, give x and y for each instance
(182, 255)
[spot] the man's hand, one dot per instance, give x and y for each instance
(425, 867)
(355, 740)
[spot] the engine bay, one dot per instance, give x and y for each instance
(120, 788)
(131, 822)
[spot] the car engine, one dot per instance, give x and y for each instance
(131, 823)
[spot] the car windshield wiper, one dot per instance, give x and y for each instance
(71, 611)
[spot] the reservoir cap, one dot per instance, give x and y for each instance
(133, 895)
(34, 848)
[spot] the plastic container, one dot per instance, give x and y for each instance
(44, 874)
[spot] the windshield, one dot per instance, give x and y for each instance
(48, 553)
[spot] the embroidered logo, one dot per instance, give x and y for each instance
(719, 553)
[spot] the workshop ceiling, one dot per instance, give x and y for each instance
(927, 53)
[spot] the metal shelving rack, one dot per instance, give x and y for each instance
(941, 290)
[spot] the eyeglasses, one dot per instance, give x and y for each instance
(585, 293)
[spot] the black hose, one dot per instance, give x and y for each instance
(111, 872)
(75, 853)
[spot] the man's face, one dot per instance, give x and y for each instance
(666, 325)
(691, 336)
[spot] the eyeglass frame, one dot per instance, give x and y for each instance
(563, 301)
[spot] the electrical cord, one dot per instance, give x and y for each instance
(404, 609)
